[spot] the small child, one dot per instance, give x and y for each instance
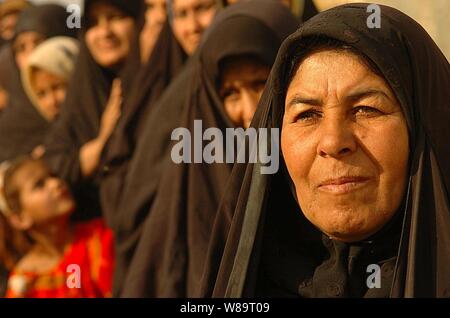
(65, 260)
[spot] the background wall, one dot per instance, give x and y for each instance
(433, 15)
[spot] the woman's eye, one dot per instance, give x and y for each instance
(229, 93)
(231, 98)
(40, 94)
(205, 7)
(308, 116)
(258, 86)
(114, 16)
(366, 111)
(39, 184)
(180, 14)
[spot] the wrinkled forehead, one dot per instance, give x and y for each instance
(344, 71)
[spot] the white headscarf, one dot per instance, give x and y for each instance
(57, 56)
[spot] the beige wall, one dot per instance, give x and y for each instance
(433, 15)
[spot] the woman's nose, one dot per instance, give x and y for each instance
(337, 138)
(192, 23)
(249, 103)
(54, 183)
(160, 16)
(103, 24)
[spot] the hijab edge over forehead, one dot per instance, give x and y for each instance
(46, 19)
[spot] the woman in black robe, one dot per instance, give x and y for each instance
(133, 157)
(169, 258)
(93, 102)
(22, 128)
(144, 86)
(275, 248)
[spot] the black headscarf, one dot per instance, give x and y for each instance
(259, 211)
(145, 88)
(48, 19)
(79, 121)
(22, 127)
(168, 261)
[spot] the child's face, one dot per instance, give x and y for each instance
(43, 197)
(50, 90)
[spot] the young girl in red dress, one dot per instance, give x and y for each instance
(64, 259)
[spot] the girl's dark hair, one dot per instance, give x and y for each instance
(11, 189)
(13, 243)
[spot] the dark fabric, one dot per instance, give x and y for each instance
(317, 265)
(129, 7)
(144, 171)
(419, 75)
(22, 127)
(147, 87)
(309, 10)
(168, 261)
(48, 19)
(79, 123)
(7, 67)
(3, 280)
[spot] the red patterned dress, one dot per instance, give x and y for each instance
(85, 270)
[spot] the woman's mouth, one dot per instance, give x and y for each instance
(343, 185)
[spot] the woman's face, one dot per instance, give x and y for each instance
(190, 19)
(7, 25)
(42, 196)
(24, 44)
(155, 18)
(345, 142)
(241, 85)
(50, 91)
(109, 34)
(156, 14)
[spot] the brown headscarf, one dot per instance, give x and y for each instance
(259, 209)
(169, 259)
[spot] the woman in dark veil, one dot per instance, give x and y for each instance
(21, 126)
(133, 158)
(94, 97)
(278, 242)
(144, 83)
(168, 260)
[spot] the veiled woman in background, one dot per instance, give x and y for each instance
(147, 73)
(364, 178)
(94, 98)
(155, 92)
(22, 128)
(229, 75)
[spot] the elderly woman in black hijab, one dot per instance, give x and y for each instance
(21, 126)
(94, 98)
(233, 64)
(360, 207)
